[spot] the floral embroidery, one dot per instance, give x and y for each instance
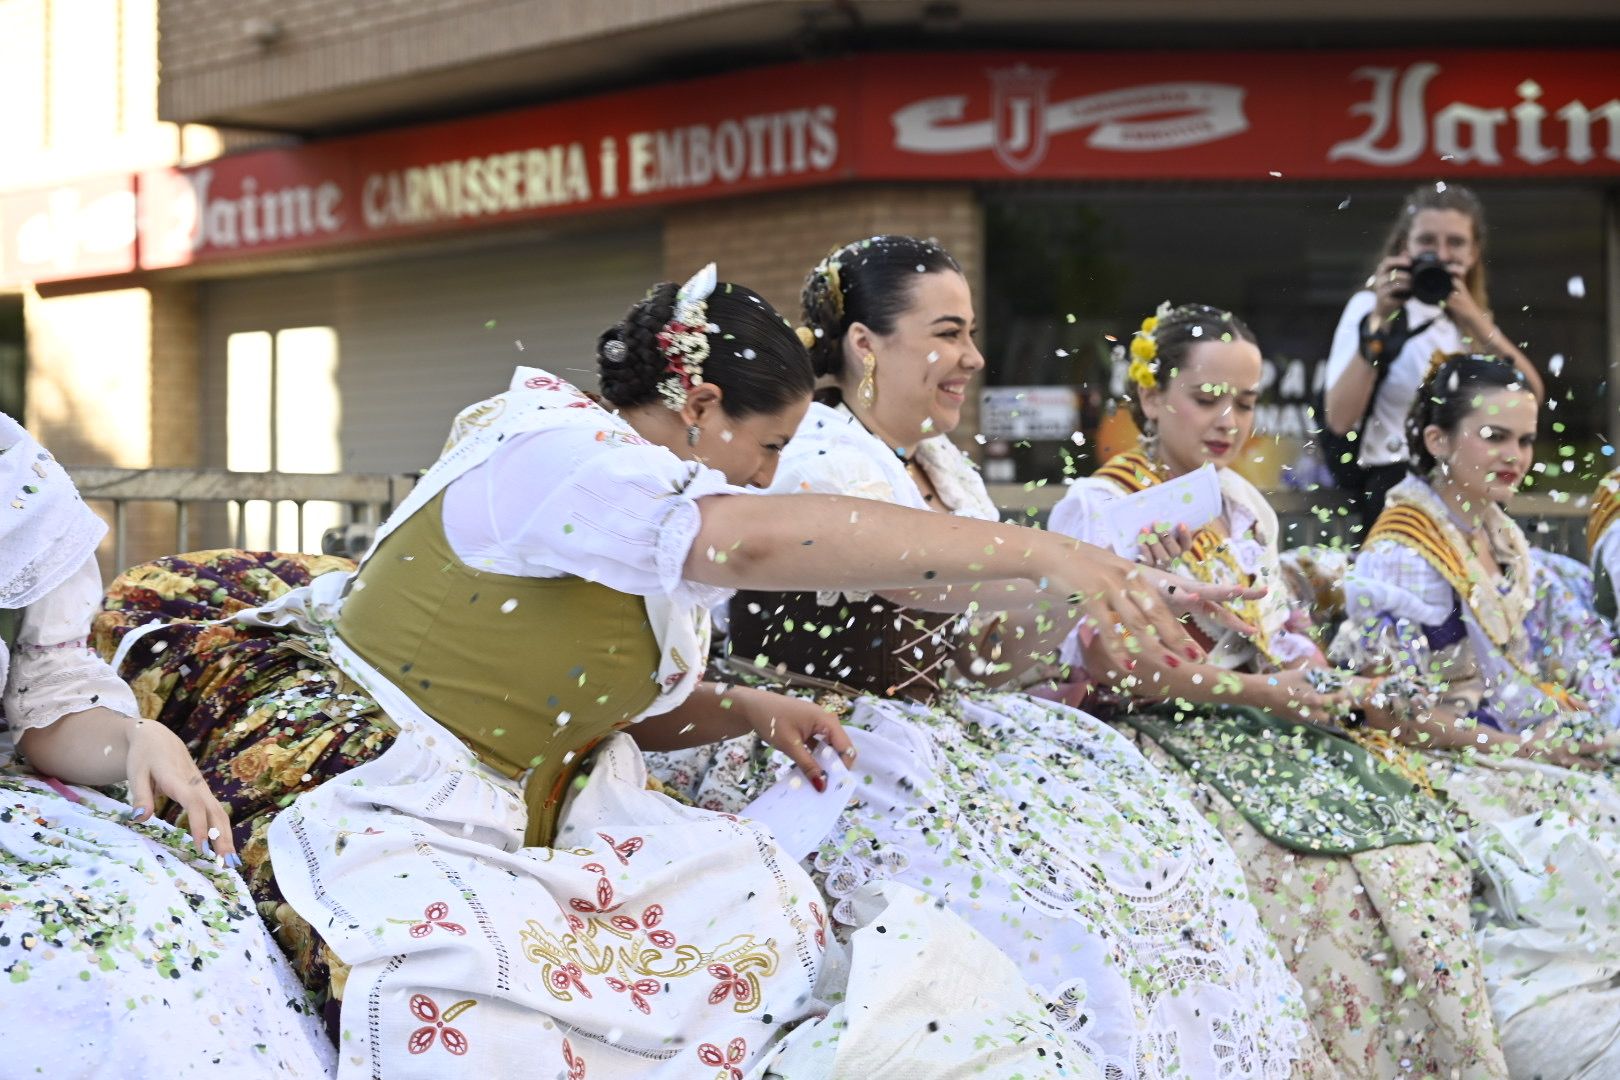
(426, 1010)
(639, 991)
(576, 1065)
(730, 984)
(624, 850)
(635, 956)
(728, 1061)
(434, 915)
(821, 925)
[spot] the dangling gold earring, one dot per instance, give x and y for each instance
(866, 392)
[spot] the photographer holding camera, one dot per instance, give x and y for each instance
(1426, 295)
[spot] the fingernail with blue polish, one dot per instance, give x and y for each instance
(233, 861)
(207, 849)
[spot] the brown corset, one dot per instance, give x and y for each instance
(871, 646)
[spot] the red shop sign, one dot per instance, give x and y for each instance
(753, 131)
(1230, 115)
(85, 229)
(911, 116)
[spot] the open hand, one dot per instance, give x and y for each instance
(158, 763)
(794, 725)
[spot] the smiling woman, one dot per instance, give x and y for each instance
(1039, 825)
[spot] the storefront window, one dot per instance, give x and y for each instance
(1067, 265)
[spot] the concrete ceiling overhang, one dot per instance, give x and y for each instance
(312, 81)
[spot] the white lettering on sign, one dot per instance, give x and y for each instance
(253, 217)
(476, 186)
(71, 228)
(771, 144)
(1129, 120)
(1399, 129)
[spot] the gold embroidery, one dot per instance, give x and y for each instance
(624, 950)
(1133, 472)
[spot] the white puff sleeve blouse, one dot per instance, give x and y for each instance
(558, 503)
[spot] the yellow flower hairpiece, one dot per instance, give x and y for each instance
(1144, 369)
(807, 336)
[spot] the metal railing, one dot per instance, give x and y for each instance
(365, 499)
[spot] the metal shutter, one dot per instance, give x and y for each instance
(421, 337)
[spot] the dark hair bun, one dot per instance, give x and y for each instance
(756, 360)
(628, 360)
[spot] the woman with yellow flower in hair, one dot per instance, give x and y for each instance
(1346, 853)
(1510, 686)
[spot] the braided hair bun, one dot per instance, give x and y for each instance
(628, 359)
(755, 359)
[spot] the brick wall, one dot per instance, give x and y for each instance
(770, 242)
(213, 67)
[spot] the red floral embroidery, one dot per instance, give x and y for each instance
(576, 1065)
(604, 896)
(543, 382)
(438, 1027)
(624, 850)
(569, 975)
(730, 984)
(728, 1062)
(639, 991)
(434, 915)
(821, 925)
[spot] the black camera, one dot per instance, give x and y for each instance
(1431, 279)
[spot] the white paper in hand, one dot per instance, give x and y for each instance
(1193, 500)
(799, 815)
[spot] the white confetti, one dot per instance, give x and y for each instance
(1577, 287)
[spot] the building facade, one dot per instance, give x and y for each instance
(351, 219)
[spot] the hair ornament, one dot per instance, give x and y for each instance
(828, 269)
(684, 340)
(806, 336)
(1144, 369)
(613, 351)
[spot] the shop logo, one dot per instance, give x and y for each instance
(1138, 119)
(1018, 109)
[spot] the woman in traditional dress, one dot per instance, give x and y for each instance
(1043, 828)
(127, 946)
(1338, 842)
(477, 901)
(1502, 678)
(1603, 544)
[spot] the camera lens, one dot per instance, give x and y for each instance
(1431, 280)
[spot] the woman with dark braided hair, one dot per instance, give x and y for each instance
(1042, 827)
(1507, 684)
(479, 874)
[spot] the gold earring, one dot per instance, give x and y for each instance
(866, 392)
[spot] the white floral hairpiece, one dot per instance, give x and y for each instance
(684, 340)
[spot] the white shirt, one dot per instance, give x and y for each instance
(1383, 438)
(551, 503)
